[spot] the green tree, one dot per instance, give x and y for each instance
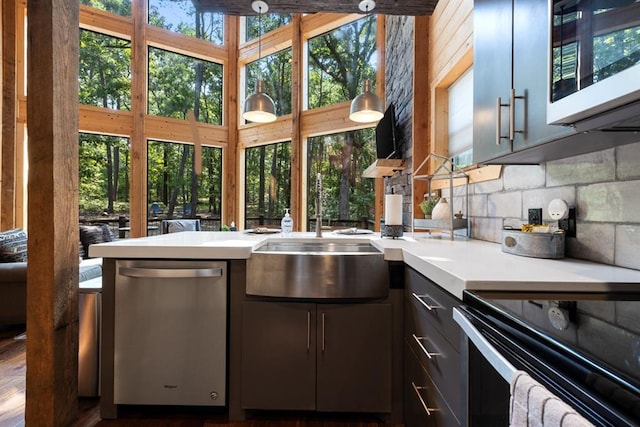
(339, 62)
(267, 181)
(104, 174)
(104, 71)
(119, 7)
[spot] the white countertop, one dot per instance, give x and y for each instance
(454, 265)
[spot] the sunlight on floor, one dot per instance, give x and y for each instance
(12, 409)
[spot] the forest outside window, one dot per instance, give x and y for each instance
(104, 163)
(276, 74)
(118, 7)
(104, 71)
(269, 22)
(348, 198)
(340, 61)
(267, 184)
(175, 191)
(179, 84)
(180, 16)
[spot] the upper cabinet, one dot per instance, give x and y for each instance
(510, 78)
(512, 47)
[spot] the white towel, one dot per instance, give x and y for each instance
(532, 405)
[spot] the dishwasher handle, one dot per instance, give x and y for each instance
(170, 273)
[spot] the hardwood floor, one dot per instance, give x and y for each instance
(12, 399)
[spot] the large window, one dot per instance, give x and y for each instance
(179, 84)
(104, 71)
(119, 7)
(180, 16)
(268, 22)
(276, 73)
(461, 120)
(103, 165)
(182, 76)
(267, 183)
(340, 61)
(340, 159)
(176, 191)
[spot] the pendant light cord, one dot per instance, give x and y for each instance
(259, 41)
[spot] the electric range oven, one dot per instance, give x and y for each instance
(584, 348)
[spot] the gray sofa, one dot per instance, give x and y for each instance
(13, 288)
(13, 274)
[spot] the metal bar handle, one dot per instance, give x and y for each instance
(308, 330)
(499, 106)
(170, 273)
(424, 349)
(323, 316)
(512, 114)
(427, 306)
(493, 356)
(424, 404)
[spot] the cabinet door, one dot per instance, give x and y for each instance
(278, 355)
(491, 77)
(530, 69)
(354, 357)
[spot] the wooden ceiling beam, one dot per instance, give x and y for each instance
(386, 7)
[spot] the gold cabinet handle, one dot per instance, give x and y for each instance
(421, 299)
(429, 354)
(424, 404)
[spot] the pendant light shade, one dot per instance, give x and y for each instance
(366, 107)
(259, 106)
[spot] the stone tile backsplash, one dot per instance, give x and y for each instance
(603, 186)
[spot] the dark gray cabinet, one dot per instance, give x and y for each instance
(324, 357)
(510, 79)
(432, 381)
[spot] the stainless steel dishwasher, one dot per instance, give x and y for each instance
(170, 332)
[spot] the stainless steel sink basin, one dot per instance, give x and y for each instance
(317, 269)
(317, 247)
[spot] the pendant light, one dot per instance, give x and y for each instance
(366, 107)
(259, 106)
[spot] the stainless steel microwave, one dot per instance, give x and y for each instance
(594, 58)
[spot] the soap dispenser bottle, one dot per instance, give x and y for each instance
(286, 225)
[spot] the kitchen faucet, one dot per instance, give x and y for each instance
(318, 206)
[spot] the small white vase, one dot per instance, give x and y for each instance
(441, 210)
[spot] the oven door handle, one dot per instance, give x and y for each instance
(493, 356)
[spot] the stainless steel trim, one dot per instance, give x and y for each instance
(424, 404)
(499, 363)
(170, 273)
(318, 276)
(424, 349)
(427, 306)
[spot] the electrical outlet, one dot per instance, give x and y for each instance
(569, 224)
(535, 216)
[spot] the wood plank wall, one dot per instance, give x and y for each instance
(450, 55)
